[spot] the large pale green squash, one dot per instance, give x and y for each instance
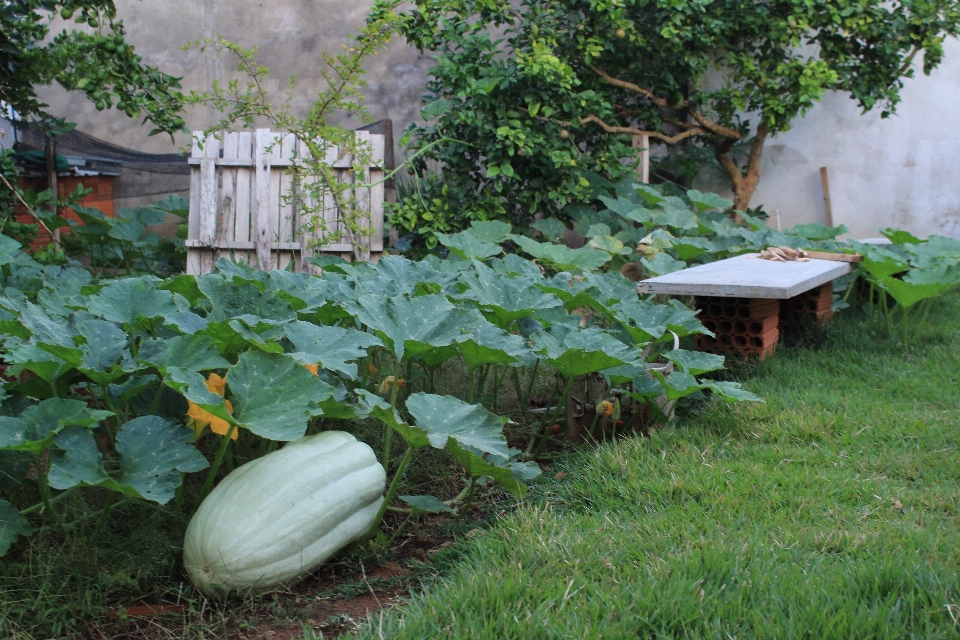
(273, 520)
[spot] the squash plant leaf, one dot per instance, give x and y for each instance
(193, 352)
(899, 236)
(35, 428)
(650, 194)
(274, 396)
(706, 201)
(237, 298)
(505, 299)
(694, 362)
(677, 385)
(468, 246)
(9, 249)
(475, 466)
(12, 524)
(646, 321)
(412, 325)
(154, 454)
(563, 257)
(908, 294)
(574, 352)
(662, 264)
(76, 460)
(426, 504)
(332, 347)
(494, 231)
(104, 346)
(489, 344)
(370, 404)
(730, 391)
(133, 301)
(551, 228)
(446, 417)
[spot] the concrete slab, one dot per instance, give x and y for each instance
(746, 276)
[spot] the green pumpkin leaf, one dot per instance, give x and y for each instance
(9, 249)
(506, 299)
(274, 396)
(12, 524)
(411, 326)
(369, 404)
(677, 385)
(609, 244)
(551, 228)
(582, 259)
(467, 246)
(489, 344)
(662, 264)
(650, 194)
(445, 417)
(78, 461)
(646, 321)
(818, 232)
(37, 425)
(475, 466)
(908, 294)
(575, 352)
(494, 231)
(130, 302)
(694, 362)
(426, 504)
(192, 352)
(153, 455)
(731, 391)
(238, 298)
(706, 201)
(332, 348)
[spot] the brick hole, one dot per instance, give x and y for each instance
(730, 311)
(724, 326)
(723, 341)
(739, 326)
(741, 341)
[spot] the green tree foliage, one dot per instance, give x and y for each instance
(539, 92)
(97, 61)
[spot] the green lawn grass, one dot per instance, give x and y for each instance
(829, 511)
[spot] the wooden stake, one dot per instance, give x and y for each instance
(50, 151)
(825, 183)
(643, 142)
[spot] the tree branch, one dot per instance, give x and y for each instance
(693, 131)
(707, 124)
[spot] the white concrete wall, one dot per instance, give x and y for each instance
(903, 171)
(291, 35)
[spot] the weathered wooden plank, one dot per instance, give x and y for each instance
(262, 212)
(376, 208)
(286, 231)
(208, 189)
(244, 245)
(239, 162)
(241, 225)
(228, 190)
(193, 217)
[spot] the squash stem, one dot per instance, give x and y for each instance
(394, 485)
(208, 483)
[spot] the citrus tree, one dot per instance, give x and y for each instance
(538, 92)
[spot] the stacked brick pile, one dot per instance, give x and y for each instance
(741, 325)
(813, 306)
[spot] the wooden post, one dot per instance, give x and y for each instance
(50, 151)
(262, 237)
(643, 143)
(825, 183)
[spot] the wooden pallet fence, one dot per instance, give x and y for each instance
(247, 206)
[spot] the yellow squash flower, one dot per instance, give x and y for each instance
(200, 418)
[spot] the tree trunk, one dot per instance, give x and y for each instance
(743, 184)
